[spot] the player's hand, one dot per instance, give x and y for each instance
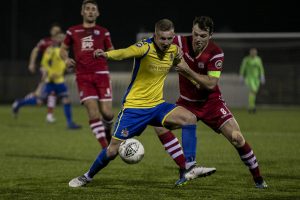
(182, 67)
(178, 56)
(31, 67)
(70, 62)
(99, 53)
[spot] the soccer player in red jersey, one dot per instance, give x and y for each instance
(92, 75)
(200, 94)
(34, 98)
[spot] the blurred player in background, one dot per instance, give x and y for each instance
(143, 103)
(53, 69)
(200, 94)
(253, 73)
(92, 75)
(34, 98)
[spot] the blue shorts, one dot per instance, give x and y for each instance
(133, 121)
(60, 90)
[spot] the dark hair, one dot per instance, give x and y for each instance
(164, 25)
(54, 24)
(89, 1)
(204, 23)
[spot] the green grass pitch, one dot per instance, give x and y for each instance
(37, 160)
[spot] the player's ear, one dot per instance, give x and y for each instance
(98, 12)
(82, 9)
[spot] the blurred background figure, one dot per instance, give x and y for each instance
(252, 73)
(53, 70)
(34, 97)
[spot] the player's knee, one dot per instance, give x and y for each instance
(109, 116)
(237, 139)
(160, 130)
(190, 119)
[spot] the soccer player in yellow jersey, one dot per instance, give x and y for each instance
(53, 68)
(143, 103)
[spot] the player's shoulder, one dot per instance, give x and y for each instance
(144, 42)
(101, 28)
(75, 28)
(213, 48)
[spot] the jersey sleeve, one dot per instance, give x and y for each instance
(215, 64)
(68, 39)
(107, 41)
(137, 50)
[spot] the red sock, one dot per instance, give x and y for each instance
(173, 147)
(249, 159)
(99, 132)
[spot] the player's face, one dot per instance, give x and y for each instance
(89, 13)
(164, 39)
(200, 38)
(253, 52)
(55, 30)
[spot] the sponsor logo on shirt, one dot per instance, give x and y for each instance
(87, 43)
(79, 30)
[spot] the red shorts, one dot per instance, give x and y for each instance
(212, 112)
(94, 86)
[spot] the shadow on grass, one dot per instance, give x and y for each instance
(46, 157)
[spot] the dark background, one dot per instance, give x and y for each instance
(26, 21)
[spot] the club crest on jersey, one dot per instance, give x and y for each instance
(96, 32)
(218, 64)
(124, 132)
(200, 65)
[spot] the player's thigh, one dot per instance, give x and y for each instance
(92, 108)
(178, 117)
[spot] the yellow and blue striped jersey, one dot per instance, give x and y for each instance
(53, 64)
(150, 69)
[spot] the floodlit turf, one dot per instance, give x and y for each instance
(37, 160)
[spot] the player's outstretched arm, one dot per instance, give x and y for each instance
(32, 60)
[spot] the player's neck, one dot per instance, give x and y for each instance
(88, 25)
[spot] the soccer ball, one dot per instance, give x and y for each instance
(131, 151)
